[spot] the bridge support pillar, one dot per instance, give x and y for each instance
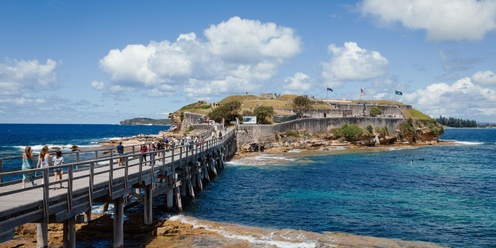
(170, 199)
(199, 182)
(148, 218)
(70, 233)
(205, 169)
(88, 215)
(42, 235)
(178, 199)
(212, 166)
(119, 222)
(190, 188)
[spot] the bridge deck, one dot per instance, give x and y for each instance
(90, 181)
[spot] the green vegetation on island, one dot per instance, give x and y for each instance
(455, 122)
(399, 122)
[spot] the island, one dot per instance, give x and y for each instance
(147, 121)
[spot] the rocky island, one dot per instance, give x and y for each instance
(290, 121)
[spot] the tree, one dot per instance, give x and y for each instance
(301, 105)
(262, 112)
(375, 111)
(228, 112)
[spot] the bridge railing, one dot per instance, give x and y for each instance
(159, 160)
(101, 155)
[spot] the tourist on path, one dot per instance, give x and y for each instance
(43, 158)
(153, 151)
(144, 149)
(160, 148)
(57, 172)
(27, 164)
(120, 151)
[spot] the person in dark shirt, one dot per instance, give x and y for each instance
(120, 151)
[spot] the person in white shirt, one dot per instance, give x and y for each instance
(57, 172)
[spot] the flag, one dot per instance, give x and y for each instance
(329, 89)
(362, 92)
(399, 93)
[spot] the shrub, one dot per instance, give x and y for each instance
(349, 132)
(370, 129)
(375, 111)
(293, 133)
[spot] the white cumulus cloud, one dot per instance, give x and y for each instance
(441, 19)
(97, 85)
(298, 84)
(237, 55)
(352, 62)
(20, 76)
(484, 78)
(241, 40)
(462, 99)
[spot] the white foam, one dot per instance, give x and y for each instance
(470, 143)
(261, 160)
(98, 209)
(267, 240)
(269, 157)
(399, 148)
(295, 151)
(66, 147)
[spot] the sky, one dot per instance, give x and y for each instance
(100, 62)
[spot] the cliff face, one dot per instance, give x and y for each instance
(176, 119)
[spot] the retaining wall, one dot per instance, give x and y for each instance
(317, 125)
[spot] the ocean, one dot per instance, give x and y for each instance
(15, 137)
(441, 194)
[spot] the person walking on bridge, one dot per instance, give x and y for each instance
(153, 151)
(27, 164)
(120, 151)
(43, 158)
(144, 149)
(57, 172)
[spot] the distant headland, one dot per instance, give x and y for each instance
(147, 121)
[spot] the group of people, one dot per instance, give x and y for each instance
(155, 150)
(44, 160)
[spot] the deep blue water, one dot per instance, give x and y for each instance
(447, 195)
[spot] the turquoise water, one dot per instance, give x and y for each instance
(440, 194)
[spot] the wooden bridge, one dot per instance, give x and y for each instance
(176, 172)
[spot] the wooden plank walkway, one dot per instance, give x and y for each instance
(102, 180)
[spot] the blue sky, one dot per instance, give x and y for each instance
(106, 61)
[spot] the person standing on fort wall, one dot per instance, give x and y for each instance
(27, 164)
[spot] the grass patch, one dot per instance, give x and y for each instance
(415, 114)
